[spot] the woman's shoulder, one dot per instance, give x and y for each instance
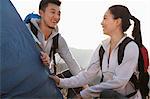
(128, 43)
(132, 45)
(132, 48)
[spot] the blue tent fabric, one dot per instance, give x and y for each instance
(22, 75)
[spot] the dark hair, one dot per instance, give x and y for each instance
(44, 3)
(120, 11)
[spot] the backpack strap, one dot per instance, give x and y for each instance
(131, 94)
(53, 50)
(121, 49)
(142, 82)
(33, 29)
(54, 44)
(122, 46)
(101, 54)
(35, 32)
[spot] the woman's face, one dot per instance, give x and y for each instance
(108, 23)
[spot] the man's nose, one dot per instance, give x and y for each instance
(57, 16)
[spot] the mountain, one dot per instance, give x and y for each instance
(82, 56)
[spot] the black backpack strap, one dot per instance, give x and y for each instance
(35, 32)
(131, 94)
(121, 49)
(53, 50)
(33, 29)
(101, 54)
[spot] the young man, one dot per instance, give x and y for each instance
(47, 29)
(49, 11)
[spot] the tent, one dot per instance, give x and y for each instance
(22, 75)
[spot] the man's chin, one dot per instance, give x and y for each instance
(51, 27)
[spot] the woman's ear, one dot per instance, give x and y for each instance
(119, 21)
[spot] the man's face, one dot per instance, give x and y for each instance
(51, 15)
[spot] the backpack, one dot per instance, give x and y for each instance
(140, 83)
(35, 31)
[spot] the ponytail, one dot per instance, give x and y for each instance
(120, 11)
(136, 33)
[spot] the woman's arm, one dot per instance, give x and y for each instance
(122, 74)
(84, 77)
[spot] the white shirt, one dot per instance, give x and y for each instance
(116, 76)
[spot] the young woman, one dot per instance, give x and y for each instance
(115, 84)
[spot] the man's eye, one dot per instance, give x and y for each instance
(59, 14)
(53, 12)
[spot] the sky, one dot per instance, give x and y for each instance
(80, 22)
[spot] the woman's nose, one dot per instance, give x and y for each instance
(102, 22)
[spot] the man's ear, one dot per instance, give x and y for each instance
(40, 12)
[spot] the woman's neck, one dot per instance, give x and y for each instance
(116, 38)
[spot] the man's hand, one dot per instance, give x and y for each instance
(45, 58)
(55, 78)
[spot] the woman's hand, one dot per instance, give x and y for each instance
(55, 78)
(85, 86)
(45, 58)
